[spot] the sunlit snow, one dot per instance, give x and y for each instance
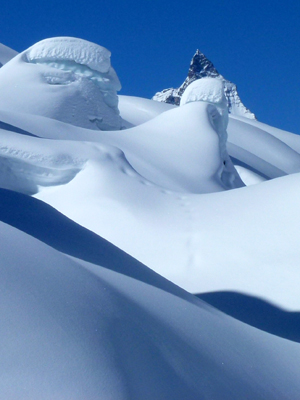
(67, 79)
(112, 210)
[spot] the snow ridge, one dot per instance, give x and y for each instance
(201, 67)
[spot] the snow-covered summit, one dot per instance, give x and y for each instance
(201, 67)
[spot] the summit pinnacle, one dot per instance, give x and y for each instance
(201, 67)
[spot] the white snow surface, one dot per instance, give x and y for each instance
(82, 318)
(71, 49)
(77, 330)
(210, 90)
(67, 79)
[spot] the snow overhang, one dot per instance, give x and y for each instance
(77, 56)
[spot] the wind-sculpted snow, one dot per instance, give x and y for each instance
(207, 89)
(82, 319)
(67, 79)
(141, 200)
(79, 330)
(265, 153)
(211, 91)
(75, 50)
(24, 168)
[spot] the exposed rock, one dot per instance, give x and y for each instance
(201, 67)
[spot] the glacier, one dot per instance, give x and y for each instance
(114, 221)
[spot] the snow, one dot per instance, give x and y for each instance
(99, 226)
(75, 329)
(63, 49)
(207, 89)
(67, 79)
(154, 195)
(136, 110)
(211, 91)
(152, 189)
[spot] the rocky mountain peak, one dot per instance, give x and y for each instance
(201, 67)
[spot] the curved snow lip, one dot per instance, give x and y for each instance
(210, 90)
(76, 55)
(66, 48)
(25, 172)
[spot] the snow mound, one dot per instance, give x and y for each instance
(206, 89)
(67, 79)
(211, 91)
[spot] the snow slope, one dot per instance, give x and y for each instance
(154, 195)
(114, 329)
(93, 221)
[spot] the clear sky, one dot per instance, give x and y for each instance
(255, 44)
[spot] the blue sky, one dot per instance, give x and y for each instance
(254, 44)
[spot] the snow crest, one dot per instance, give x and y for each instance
(206, 89)
(66, 48)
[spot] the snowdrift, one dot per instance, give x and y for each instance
(107, 204)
